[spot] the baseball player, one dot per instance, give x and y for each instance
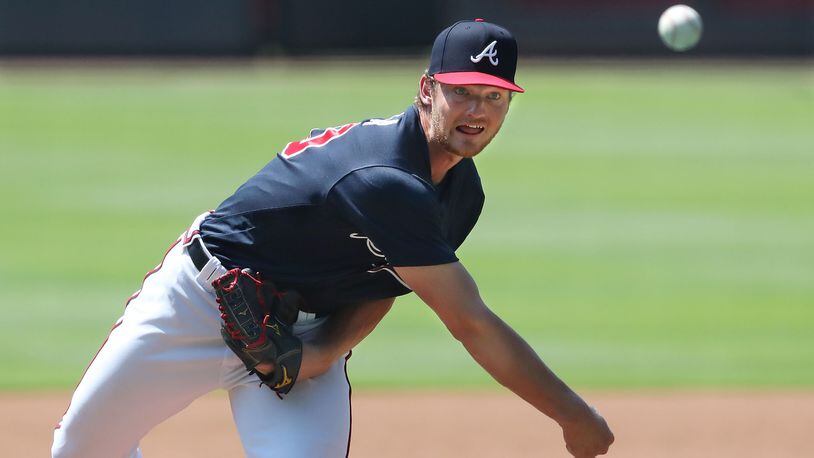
(266, 296)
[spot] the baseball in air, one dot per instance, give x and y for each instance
(680, 27)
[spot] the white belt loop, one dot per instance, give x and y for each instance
(212, 270)
(302, 317)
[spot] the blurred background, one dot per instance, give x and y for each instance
(649, 223)
(650, 214)
(316, 27)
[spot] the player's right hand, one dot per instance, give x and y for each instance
(588, 435)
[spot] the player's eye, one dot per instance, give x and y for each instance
(493, 96)
(460, 91)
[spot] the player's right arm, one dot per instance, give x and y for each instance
(452, 293)
(342, 331)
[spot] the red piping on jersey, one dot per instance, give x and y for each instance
(118, 323)
(350, 405)
(294, 148)
(188, 237)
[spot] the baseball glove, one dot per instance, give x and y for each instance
(257, 321)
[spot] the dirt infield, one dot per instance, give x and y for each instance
(744, 425)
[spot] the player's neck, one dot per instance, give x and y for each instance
(440, 163)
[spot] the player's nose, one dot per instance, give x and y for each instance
(475, 107)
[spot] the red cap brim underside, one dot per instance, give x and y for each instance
(464, 78)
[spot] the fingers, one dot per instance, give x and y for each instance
(265, 368)
(588, 437)
(587, 454)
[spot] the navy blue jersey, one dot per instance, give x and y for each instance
(334, 213)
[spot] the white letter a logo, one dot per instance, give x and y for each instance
(489, 51)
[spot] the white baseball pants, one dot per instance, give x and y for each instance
(166, 351)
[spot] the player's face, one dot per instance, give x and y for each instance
(464, 119)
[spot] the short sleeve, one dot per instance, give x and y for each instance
(398, 212)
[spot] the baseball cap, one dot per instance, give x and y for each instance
(475, 52)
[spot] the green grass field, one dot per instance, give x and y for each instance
(645, 225)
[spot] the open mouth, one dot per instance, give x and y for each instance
(470, 129)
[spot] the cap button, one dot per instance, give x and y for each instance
(479, 19)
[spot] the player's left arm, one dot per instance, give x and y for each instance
(452, 293)
(342, 331)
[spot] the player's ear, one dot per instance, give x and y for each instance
(425, 88)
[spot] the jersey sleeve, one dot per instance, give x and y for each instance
(398, 212)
